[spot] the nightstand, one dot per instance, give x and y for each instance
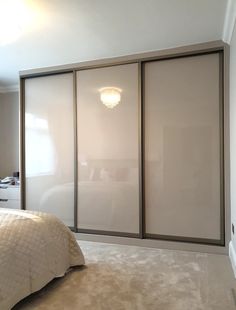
(10, 197)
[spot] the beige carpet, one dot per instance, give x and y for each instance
(132, 278)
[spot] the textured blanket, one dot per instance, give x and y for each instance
(35, 247)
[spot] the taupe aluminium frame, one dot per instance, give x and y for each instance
(191, 50)
(221, 241)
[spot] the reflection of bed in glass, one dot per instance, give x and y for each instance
(59, 200)
(111, 204)
(107, 199)
(108, 206)
(108, 195)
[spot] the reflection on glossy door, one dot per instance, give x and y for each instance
(182, 147)
(108, 189)
(49, 148)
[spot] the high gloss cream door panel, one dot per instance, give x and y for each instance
(49, 145)
(108, 188)
(182, 147)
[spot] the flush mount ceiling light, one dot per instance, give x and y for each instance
(110, 96)
(16, 17)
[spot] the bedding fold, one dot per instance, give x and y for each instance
(35, 247)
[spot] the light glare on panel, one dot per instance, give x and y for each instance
(33, 122)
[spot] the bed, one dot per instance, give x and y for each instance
(35, 247)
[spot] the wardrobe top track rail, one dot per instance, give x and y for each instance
(183, 51)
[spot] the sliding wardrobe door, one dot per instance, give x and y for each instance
(182, 108)
(108, 189)
(49, 147)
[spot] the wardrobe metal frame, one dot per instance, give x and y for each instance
(141, 59)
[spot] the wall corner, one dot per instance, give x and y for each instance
(230, 17)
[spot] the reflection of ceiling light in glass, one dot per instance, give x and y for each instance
(110, 96)
(16, 16)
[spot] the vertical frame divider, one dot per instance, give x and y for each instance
(75, 151)
(141, 151)
(22, 144)
(140, 170)
(222, 159)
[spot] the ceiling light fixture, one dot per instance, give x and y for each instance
(16, 16)
(110, 96)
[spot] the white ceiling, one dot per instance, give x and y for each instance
(77, 30)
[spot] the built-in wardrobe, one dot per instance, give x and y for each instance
(132, 146)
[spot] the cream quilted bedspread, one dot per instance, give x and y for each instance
(34, 248)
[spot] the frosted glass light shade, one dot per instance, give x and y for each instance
(110, 96)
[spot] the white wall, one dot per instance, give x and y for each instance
(9, 133)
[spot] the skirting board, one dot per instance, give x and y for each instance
(232, 256)
(150, 243)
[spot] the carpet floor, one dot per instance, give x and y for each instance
(121, 277)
